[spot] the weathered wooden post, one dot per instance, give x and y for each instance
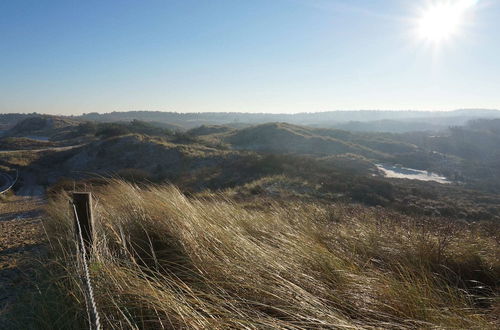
(84, 220)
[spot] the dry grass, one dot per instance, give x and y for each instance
(17, 158)
(162, 260)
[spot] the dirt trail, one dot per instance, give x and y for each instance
(42, 149)
(21, 237)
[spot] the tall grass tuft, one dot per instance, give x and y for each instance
(162, 260)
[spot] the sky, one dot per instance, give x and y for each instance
(279, 56)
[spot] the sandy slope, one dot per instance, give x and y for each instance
(21, 237)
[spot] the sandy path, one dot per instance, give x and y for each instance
(41, 150)
(21, 237)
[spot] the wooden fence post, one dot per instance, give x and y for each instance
(83, 218)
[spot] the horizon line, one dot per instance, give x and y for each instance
(255, 113)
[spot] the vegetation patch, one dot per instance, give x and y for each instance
(162, 259)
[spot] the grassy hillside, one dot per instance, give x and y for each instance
(157, 159)
(205, 130)
(287, 138)
(198, 164)
(330, 165)
(45, 126)
(283, 138)
(21, 143)
(139, 151)
(163, 260)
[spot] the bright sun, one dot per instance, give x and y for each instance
(443, 19)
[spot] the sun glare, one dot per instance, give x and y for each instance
(443, 19)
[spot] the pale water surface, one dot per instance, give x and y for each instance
(39, 138)
(392, 171)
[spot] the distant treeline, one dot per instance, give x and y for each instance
(363, 120)
(378, 120)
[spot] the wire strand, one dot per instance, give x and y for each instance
(95, 322)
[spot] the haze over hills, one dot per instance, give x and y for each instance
(464, 152)
(220, 156)
(439, 119)
(362, 120)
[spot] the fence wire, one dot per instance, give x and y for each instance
(94, 319)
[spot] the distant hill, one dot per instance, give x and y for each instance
(154, 158)
(42, 126)
(363, 120)
(142, 152)
(392, 126)
(282, 137)
(477, 141)
(9, 120)
(210, 129)
(287, 138)
(390, 120)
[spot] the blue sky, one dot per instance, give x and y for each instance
(70, 57)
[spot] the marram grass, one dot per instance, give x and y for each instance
(162, 260)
